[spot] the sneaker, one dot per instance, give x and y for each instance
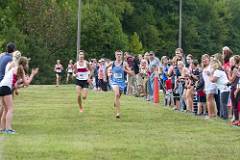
(207, 117)
(175, 109)
(81, 110)
(118, 115)
(236, 123)
(10, 131)
(233, 119)
(2, 131)
(187, 111)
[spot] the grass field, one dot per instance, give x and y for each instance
(49, 127)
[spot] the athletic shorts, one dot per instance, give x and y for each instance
(82, 83)
(176, 96)
(202, 99)
(121, 90)
(5, 91)
(59, 74)
(121, 86)
(210, 91)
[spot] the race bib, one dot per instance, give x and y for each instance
(117, 75)
(58, 70)
(82, 76)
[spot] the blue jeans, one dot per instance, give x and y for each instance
(224, 97)
(182, 102)
(150, 86)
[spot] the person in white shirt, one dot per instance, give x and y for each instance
(219, 77)
(210, 88)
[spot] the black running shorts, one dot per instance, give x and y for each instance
(82, 83)
(5, 90)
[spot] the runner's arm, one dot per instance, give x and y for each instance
(75, 68)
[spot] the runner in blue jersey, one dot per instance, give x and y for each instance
(117, 81)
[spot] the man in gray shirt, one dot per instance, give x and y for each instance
(154, 64)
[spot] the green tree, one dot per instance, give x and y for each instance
(135, 45)
(46, 30)
(102, 33)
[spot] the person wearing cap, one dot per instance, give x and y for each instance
(5, 58)
(102, 78)
(226, 54)
(154, 65)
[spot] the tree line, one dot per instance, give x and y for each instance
(46, 30)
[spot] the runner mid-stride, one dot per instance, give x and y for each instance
(82, 71)
(118, 67)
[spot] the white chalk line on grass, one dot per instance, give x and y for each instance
(1, 147)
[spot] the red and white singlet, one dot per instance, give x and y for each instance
(82, 71)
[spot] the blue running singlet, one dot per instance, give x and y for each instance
(117, 77)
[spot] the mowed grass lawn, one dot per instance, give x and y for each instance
(49, 127)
